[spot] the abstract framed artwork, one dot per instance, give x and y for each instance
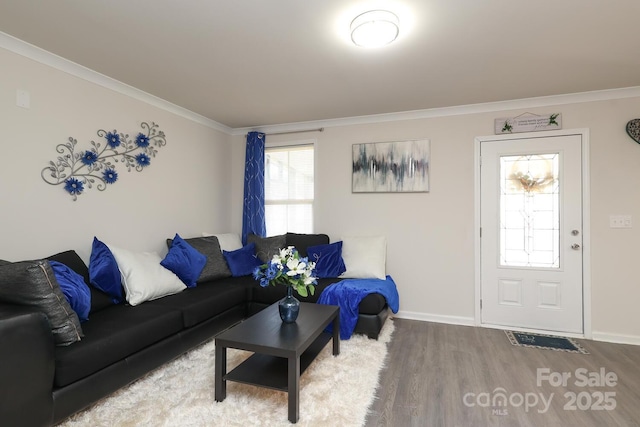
(391, 167)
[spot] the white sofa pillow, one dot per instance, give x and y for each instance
(228, 241)
(365, 257)
(143, 278)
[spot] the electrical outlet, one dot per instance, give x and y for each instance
(620, 221)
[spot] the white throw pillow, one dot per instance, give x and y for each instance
(143, 278)
(228, 241)
(364, 257)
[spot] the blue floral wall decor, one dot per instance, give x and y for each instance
(78, 170)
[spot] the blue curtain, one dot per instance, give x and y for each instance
(253, 209)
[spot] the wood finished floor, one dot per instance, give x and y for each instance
(431, 367)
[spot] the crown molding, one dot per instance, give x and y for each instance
(487, 107)
(45, 57)
(42, 56)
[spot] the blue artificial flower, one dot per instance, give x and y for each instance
(73, 186)
(110, 175)
(271, 272)
(89, 157)
(143, 160)
(142, 140)
(288, 268)
(113, 139)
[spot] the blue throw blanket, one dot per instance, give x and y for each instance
(349, 292)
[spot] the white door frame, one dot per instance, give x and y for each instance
(586, 221)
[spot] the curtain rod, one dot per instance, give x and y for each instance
(294, 131)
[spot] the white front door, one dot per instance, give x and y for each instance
(531, 233)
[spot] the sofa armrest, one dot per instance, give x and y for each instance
(26, 368)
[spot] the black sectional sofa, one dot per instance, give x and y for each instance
(41, 384)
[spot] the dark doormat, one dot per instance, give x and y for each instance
(547, 342)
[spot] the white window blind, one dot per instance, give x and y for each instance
(289, 189)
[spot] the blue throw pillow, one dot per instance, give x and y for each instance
(184, 261)
(74, 289)
(104, 273)
(243, 261)
(328, 259)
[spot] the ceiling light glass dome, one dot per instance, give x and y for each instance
(374, 28)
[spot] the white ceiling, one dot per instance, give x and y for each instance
(252, 63)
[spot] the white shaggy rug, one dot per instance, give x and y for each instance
(334, 391)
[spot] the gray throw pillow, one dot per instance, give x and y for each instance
(216, 266)
(33, 283)
(267, 247)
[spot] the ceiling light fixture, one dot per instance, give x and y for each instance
(374, 28)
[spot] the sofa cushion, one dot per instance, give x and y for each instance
(328, 259)
(216, 266)
(204, 301)
(72, 260)
(372, 304)
(99, 299)
(184, 261)
(74, 289)
(143, 278)
(104, 273)
(267, 247)
(33, 283)
(364, 257)
(242, 262)
(227, 241)
(269, 294)
(111, 335)
(303, 241)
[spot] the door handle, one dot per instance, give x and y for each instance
(575, 246)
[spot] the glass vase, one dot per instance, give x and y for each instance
(289, 307)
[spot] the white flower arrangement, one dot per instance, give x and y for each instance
(288, 268)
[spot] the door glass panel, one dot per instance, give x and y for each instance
(530, 211)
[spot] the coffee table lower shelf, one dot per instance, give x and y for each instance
(270, 371)
(282, 351)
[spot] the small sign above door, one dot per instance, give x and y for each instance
(528, 122)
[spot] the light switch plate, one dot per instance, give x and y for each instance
(23, 99)
(620, 221)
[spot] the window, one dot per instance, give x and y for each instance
(288, 180)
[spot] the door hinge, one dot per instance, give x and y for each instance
(480, 231)
(481, 304)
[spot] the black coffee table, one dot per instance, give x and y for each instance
(282, 351)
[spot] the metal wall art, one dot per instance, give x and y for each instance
(391, 167)
(80, 169)
(633, 129)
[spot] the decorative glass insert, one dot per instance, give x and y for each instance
(530, 211)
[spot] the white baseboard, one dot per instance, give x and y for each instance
(438, 318)
(616, 338)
